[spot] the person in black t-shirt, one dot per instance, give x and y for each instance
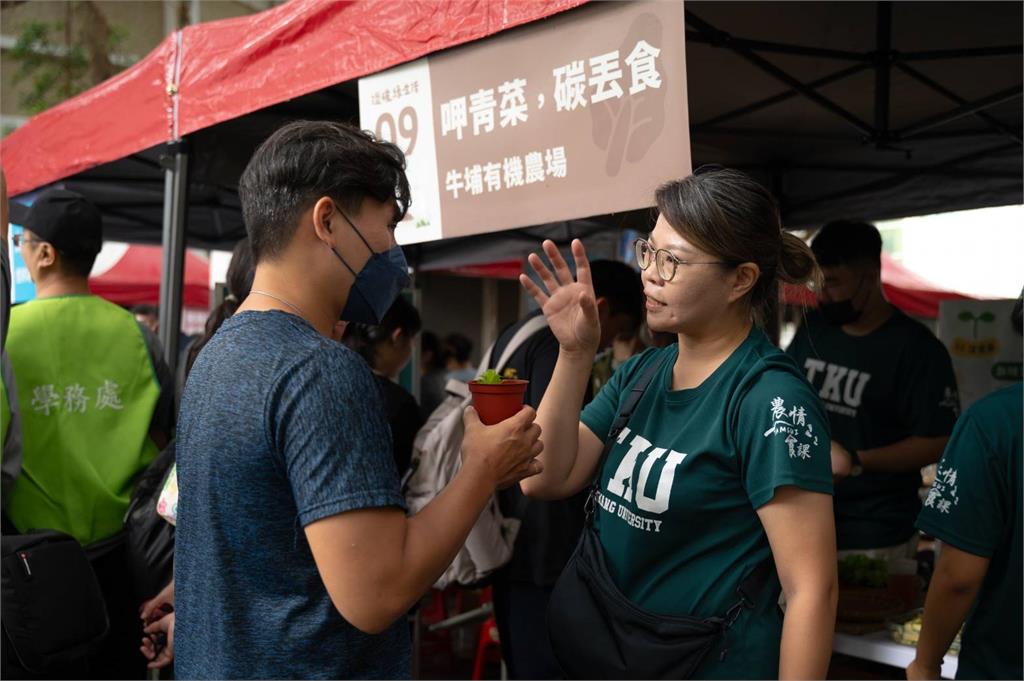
(387, 349)
(889, 388)
(550, 529)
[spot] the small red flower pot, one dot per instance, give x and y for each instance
(495, 402)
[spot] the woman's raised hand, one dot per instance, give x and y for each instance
(569, 305)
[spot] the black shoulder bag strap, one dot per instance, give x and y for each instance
(750, 587)
(621, 419)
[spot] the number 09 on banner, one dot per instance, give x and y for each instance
(396, 106)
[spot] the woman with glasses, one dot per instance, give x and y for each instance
(724, 464)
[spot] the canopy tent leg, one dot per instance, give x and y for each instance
(172, 272)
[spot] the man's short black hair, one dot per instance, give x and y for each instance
(620, 285)
(842, 242)
(306, 160)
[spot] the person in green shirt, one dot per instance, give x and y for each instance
(975, 508)
(725, 461)
(10, 416)
(889, 388)
(96, 404)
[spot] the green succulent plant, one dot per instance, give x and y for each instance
(492, 377)
(489, 377)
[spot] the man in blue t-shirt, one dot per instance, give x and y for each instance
(294, 556)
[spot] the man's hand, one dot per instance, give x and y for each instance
(842, 462)
(505, 453)
(376, 562)
(158, 642)
(918, 671)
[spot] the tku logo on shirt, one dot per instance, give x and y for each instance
(619, 483)
(843, 387)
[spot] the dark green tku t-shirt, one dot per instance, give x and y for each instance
(894, 383)
(975, 505)
(679, 492)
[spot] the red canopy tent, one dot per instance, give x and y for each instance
(209, 73)
(162, 144)
(134, 278)
(908, 291)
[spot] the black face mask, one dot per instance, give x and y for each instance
(841, 312)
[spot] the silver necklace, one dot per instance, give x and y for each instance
(280, 300)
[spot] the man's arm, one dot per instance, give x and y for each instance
(954, 586)
(909, 454)
(376, 563)
(926, 406)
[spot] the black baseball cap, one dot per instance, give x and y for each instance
(67, 220)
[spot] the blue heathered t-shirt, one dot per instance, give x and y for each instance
(279, 427)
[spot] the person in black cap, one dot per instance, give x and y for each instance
(888, 386)
(96, 405)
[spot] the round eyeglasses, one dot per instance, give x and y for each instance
(666, 262)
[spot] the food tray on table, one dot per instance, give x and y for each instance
(906, 629)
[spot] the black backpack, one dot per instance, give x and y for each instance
(53, 609)
(149, 538)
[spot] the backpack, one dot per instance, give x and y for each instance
(54, 614)
(437, 457)
(150, 538)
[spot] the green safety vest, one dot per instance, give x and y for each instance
(5, 410)
(87, 390)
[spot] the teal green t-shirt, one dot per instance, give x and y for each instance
(679, 492)
(975, 505)
(893, 383)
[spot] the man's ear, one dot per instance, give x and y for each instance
(47, 255)
(396, 336)
(325, 218)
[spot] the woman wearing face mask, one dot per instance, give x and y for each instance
(723, 465)
(387, 348)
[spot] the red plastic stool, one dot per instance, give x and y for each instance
(488, 647)
(435, 644)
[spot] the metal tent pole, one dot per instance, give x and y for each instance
(172, 271)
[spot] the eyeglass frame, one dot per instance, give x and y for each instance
(22, 238)
(673, 258)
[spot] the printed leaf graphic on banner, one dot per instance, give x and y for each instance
(627, 126)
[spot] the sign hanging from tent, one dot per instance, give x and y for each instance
(578, 115)
(984, 346)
